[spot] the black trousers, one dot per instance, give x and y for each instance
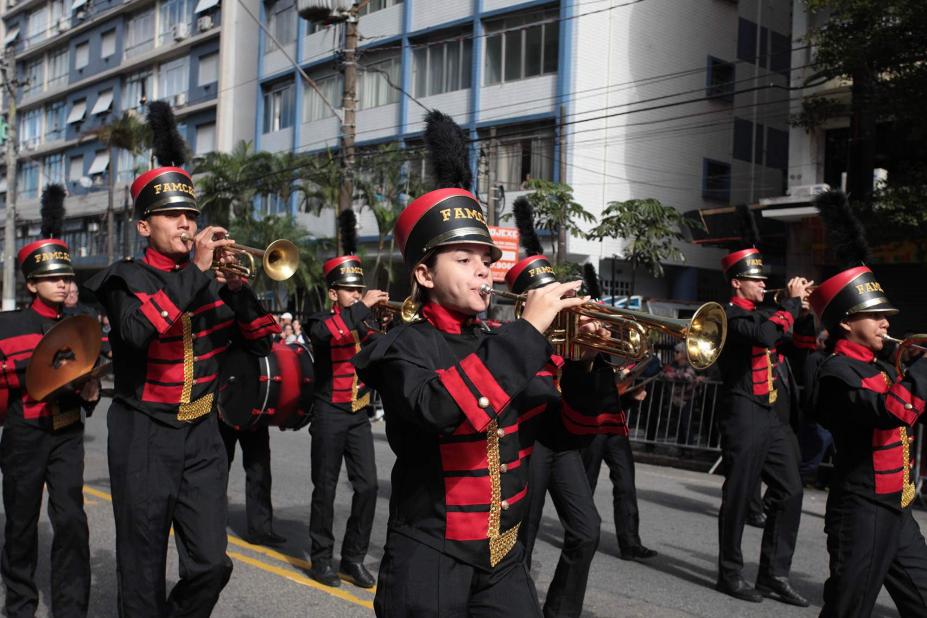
(31, 458)
(563, 475)
(417, 581)
(756, 444)
(255, 455)
(337, 436)
(163, 476)
(871, 545)
(615, 451)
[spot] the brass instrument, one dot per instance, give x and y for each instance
(387, 310)
(280, 259)
(704, 334)
(903, 344)
(778, 292)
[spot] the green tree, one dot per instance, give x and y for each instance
(127, 132)
(556, 211)
(230, 182)
(386, 187)
(650, 229)
(880, 46)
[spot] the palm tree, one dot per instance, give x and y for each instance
(386, 186)
(231, 182)
(126, 132)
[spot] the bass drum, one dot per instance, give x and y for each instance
(275, 390)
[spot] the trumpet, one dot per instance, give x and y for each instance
(778, 292)
(387, 310)
(631, 331)
(280, 259)
(903, 344)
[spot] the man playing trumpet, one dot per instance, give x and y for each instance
(172, 319)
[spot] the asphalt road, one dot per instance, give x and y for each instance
(678, 518)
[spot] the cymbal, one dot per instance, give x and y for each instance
(68, 351)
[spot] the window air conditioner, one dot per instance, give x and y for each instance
(204, 23)
(180, 99)
(181, 31)
(64, 24)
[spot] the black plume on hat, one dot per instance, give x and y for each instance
(52, 211)
(524, 221)
(347, 228)
(448, 151)
(591, 281)
(168, 146)
(749, 232)
(844, 231)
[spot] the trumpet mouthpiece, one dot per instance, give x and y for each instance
(486, 290)
(185, 237)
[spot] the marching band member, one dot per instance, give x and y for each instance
(757, 440)
(340, 428)
(172, 320)
(43, 442)
(872, 537)
(463, 409)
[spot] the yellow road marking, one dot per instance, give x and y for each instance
(270, 568)
(301, 579)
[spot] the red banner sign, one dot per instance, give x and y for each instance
(506, 238)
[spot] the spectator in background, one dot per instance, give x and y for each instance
(287, 335)
(298, 332)
(286, 318)
(72, 304)
(684, 379)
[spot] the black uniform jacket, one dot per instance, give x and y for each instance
(20, 332)
(171, 324)
(464, 406)
(753, 363)
(870, 413)
(337, 335)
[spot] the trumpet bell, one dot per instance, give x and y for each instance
(281, 259)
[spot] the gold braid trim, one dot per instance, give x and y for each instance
(190, 410)
(908, 490)
(363, 402)
(773, 393)
(195, 409)
(499, 544)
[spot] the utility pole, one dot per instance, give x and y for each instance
(349, 103)
(9, 233)
(491, 176)
(561, 233)
(126, 222)
(111, 208)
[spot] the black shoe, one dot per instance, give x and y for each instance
(780, 589)
(269, 538)
(638, 552)
(757, 521)
(739, 589)
(355, 573)
(325, 574)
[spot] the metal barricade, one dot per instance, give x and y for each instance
(678, 413)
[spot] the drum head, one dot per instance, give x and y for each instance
(241, 389)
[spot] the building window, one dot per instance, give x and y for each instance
(100, 163)
(82, 55)
(54, 169)
(55, 121)
(743, 140)
(140, 33)
(57, 68)
(56, 8)
(374, 83)
(30, 128)
(173, 78)
(176, 16)
(205, 138)
(281, 22)
(719, 83)
(378, 5)
(130, 166)
(522, 46)
(519, 159)
(716, 180)
(314, 108)
(36, 26)
(29, 180)
(33, 76)
(135, 88)
(780, 54)
(208, 71)
(746, 40)
(278, 108)
(108, 43)
(78, 109)
(777, 148)
(76, 168)
(441, 67)
(103, 103)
